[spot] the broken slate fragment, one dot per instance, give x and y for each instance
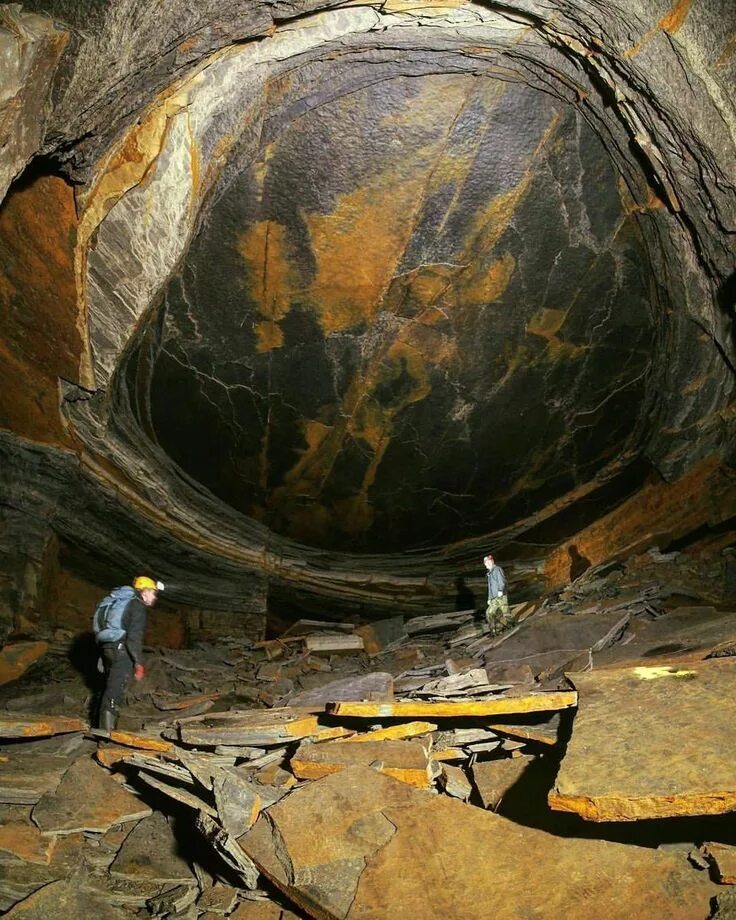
(540, 732)
(39, 726)
(259, 728)
(723, 858)
(376, 686)
(220, 899)
(346, 848)
(668, 733)
(379, 636)
(394, 732)
(229, 849)
(239, 801)
(87, 799)
(65, 899)
(494, 778)
(407, 761)
(455, 782)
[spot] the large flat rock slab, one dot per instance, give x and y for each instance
(494, 706)
(553, 640)
(685, 632)
(87, 799)
(651, 742)
(361, 846)
(26, 776)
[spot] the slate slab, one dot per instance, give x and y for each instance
(22, 840)
(151, 851)
(551, 641)
(65, 899)
(17, 657)
(681, 632)
(87, 799)
(494, 778)
(348, 847)
(258, 728)
(382, 634)
(651, 742)
(39, 726)
(407, 761)
(723, 859)
(25, 777)
(376, 686)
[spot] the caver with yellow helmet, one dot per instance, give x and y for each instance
(120, 625)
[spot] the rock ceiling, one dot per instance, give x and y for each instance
(341, 294)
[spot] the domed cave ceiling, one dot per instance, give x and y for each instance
(421, 313)
(329, 298)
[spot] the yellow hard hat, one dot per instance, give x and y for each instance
(143, 581)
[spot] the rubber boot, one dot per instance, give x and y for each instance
(108, 720)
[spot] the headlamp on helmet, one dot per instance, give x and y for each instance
(143, 581)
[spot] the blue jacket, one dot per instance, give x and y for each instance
(496, 582)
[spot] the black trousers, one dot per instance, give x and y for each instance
(118, 671)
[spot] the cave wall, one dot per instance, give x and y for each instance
(234, 310)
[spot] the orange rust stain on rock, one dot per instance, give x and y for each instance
(364, 417)
(658, 512)
(673, 21)
(38, 299)
(270, 336)
(187, 44)
(547, 323)
(356, 249)
(489, 285)
(271, 282)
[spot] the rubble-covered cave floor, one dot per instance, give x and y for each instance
(234, 786)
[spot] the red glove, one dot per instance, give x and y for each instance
(140, 672)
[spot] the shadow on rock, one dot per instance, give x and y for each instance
(84, 656)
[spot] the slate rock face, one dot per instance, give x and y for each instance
(350, 293)
(460, 272)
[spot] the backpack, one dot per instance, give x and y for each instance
(107, 622)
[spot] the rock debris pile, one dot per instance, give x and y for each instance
(417, 768)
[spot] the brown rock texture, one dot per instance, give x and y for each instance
(87, 799)
(634, 715)
(347, 846)
(40, 339)
(406, 761)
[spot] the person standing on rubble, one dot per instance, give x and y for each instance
(497, 611)
(120, 625)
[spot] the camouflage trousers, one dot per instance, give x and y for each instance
(498, 615)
